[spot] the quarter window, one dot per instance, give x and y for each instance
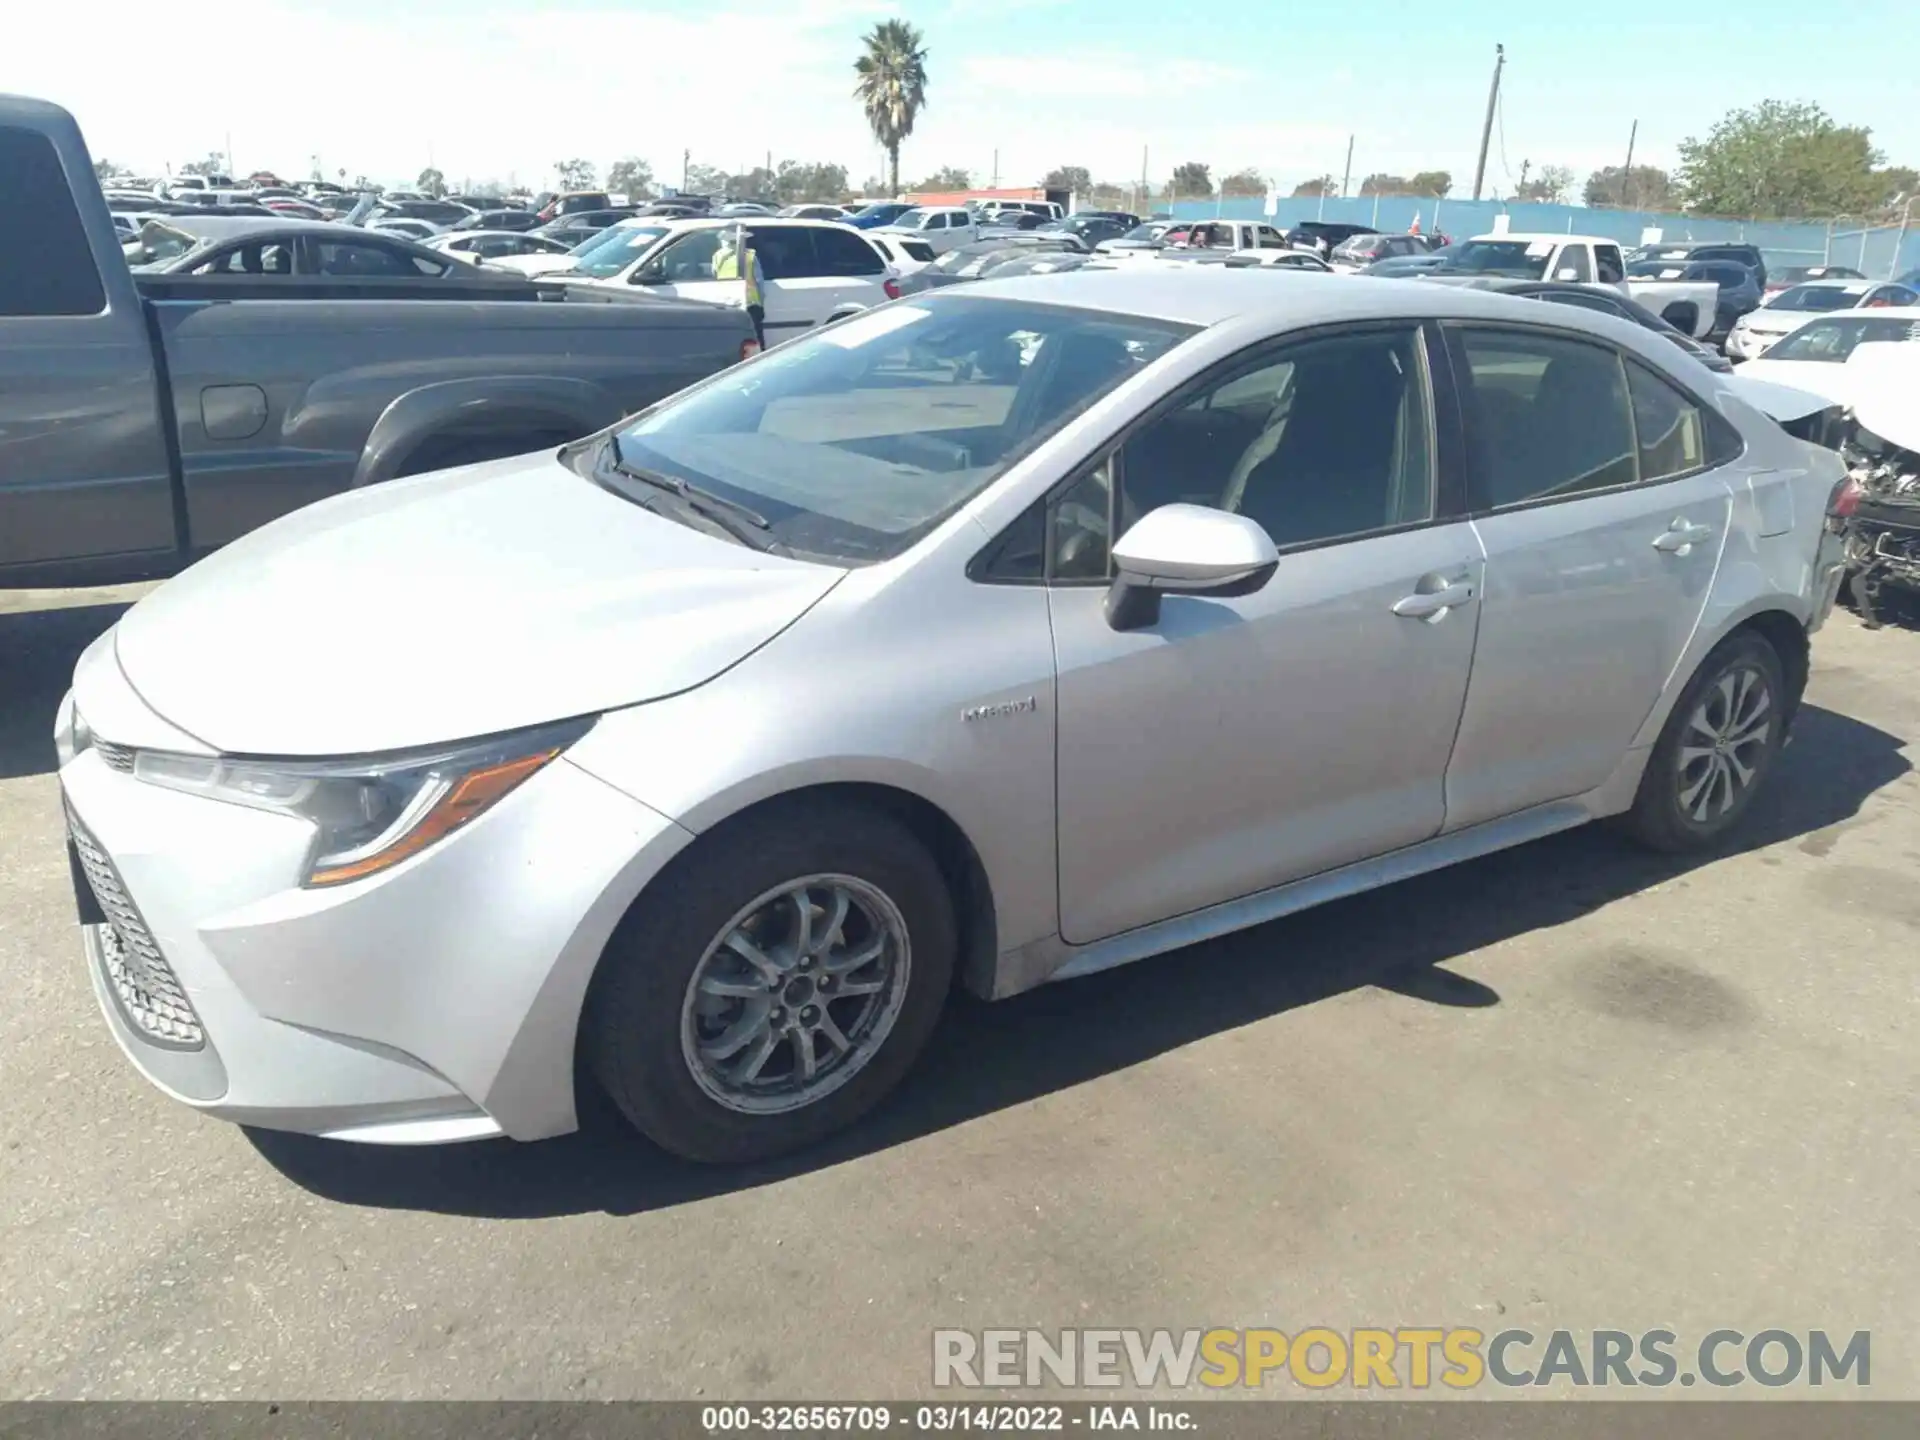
(1548, 417)
(841, 252)
(1671, 433)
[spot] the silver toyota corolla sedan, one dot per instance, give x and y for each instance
(993, 637)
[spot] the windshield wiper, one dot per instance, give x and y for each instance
(729, 515)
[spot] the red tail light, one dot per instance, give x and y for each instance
(892, 287)
(1845, 499)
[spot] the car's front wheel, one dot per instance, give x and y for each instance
(1716, 750)
(775, 985)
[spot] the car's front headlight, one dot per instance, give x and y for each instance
(372, 812)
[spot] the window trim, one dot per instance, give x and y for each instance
(1455, 330)
(1445, 446)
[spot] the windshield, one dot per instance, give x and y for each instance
(1816, 297)
(911, 220)
(857, 440)
(1522, 259)
(1147, 232)
(611, 251)
(1832, 341)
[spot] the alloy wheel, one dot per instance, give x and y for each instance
(796, 994)
(1725, 743)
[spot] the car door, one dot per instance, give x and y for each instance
(1599, 499)
(1236, 744)
(84, 470)
(812, 272)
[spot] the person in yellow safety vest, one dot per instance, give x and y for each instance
(728, 265)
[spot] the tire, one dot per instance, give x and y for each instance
(1680, 806)
(647, 1028)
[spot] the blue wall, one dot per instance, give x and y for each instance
(1783, 242)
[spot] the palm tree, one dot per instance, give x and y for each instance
(892, 87)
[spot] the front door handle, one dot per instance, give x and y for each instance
(1680, 537)
(1434, 599)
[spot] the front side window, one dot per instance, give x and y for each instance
(46, 265)
(1321, 440)
(273, 257)
(1548, 417)
(855, 442)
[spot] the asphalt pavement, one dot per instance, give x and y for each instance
(1572, 1086)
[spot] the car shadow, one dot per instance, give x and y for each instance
(38, 649)
(986, 1058)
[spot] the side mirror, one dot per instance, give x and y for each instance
(648, 275)
(1185, 550)
(1566, 272)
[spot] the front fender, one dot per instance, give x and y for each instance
(482, 401)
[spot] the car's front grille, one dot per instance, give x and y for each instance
(118, 757)
(144, 985)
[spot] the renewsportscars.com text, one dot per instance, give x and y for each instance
(1412, 1358)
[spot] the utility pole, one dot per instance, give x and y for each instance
(686, 169)
(994, 183)
(1626, 173)
(1347, 174)
(1145, 208)
(1486, 129)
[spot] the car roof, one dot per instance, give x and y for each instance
(215, 228)
(1883, 312)
(1209, 295)
(727, 222)
(1852, 287)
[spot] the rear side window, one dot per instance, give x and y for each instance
(785, 252)
(840, 252)
(1548, 417)
(1611, 267)
(46, 266)
(1669, 426)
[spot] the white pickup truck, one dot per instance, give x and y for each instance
(1687, 305)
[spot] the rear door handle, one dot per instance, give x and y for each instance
(1680, 537)
(1433, 599)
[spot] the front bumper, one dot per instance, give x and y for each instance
(435, 1001)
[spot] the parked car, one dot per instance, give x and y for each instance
(814, 212)
(1357, 252)
(1739, 286)
(1758, 331)
(904, 255)
(944, 227)
(295, 209)
(498, 219)
(577, 226)
(151, 418)
(1012, 222)
(1218, 235)
(1816, 356)
(738, 897)
(269, 246)
(1787, 278)
(575, 202)
(404, 225)
(1603, 302)
(1268, 259)
(1433, 261)
(601, 256)
(812, 271)
(1322, 235)
(877, 213)
(479, 245)
(1693, 251)
(743, 207)
(438, 213)
(1879, 438)
(1689, 305)
(985, 257)
(1091, 227)
(1147, 236)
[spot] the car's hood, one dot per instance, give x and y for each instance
(451, 605)
(1786, 390)
(1884, 389)
(1768, 321)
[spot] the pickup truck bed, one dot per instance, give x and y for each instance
(145, 420)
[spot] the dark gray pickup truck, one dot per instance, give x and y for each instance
(145, 420)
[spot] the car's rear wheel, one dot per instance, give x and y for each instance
(1716, 750)
(774, 986)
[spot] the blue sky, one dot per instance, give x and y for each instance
(503, 88)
